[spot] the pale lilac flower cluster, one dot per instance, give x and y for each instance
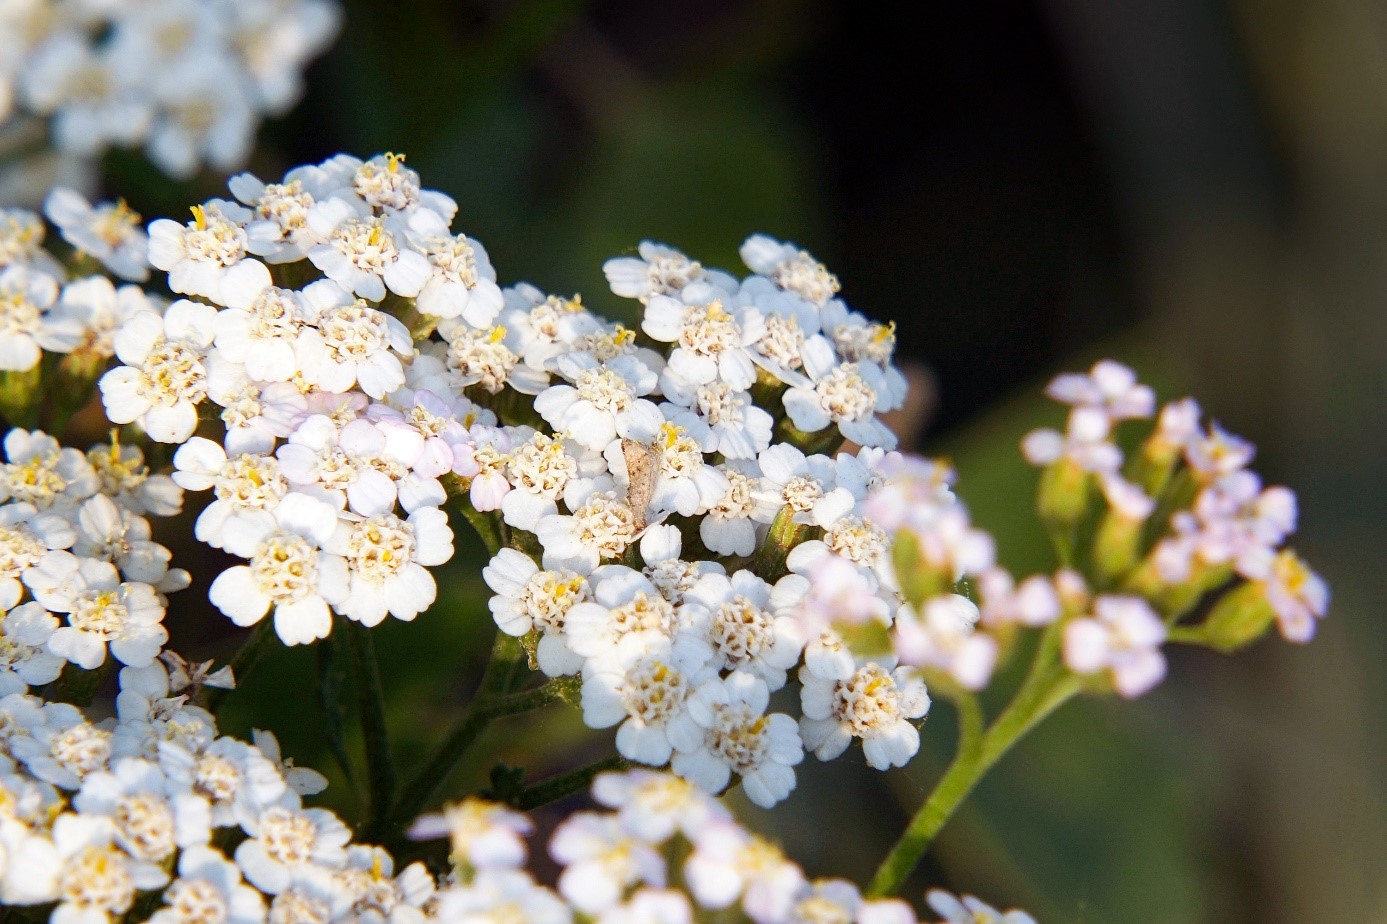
(1223, 522)
(189, 80)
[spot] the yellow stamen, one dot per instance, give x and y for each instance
(199, 216)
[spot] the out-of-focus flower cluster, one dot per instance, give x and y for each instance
(658, 849)
(153, 815)
(189, 80)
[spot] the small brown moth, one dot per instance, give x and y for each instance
(642, 468)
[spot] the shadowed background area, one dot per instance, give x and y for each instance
(1197, 187)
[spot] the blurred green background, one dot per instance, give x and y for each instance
(1197, 187)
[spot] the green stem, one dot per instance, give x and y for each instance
(565, 784)
(370, 698)
(1046, 688)
(243, 662)
(1187, 635)
(494, 698)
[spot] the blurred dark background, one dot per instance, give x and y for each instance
(1196, 187)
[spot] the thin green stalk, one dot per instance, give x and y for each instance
(1045, 689)
(565, 784)
(242, 663)
(370, 699)
(493, 699)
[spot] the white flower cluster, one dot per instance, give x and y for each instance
(597, 453)
(79, 575)
(661, 851)
(153, 815)
(45, 307)
(188, 79)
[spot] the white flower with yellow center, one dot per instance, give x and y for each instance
(352, 466)
(827, 901)
(487, 358)
(624, 603)
(385, 185)
(25, 660)
(21, 241)
(463, 284)
(109, 533)
(44, 474)
(353, 345)
(90, 93)
(644, 682)
(728, 864)
(848, 395)
(791, 269)
(96, 880)
(653, 806)
(25, 537)
(285, 842)
(854, 538)
(545, 326)
(100, 610)
(365, 255)
(859, 340)
(874, 703)
(53, 740)
(481, 834)
(528, 599)
(149, 717)
(672, 576)
(125, 478)
(149, 824)
(735, 426)
(605, 401)
(749, 624)
(109, 231)
(387, 560)
(261, 335)
(288, 572)
(711, 342)
(208, 890)
(235, 778)
(730, 525)
(278, 229)
(25, 297)
(602, 526)
(539, 471)
(807, 485)
(247, 487)
(90, 310)
(502, 896)
(208, 256)
(659, 270)
(601, 861)
(164, 378)
(738, 736)
(205, 114)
